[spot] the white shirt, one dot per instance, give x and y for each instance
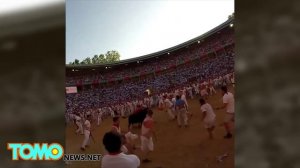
(124, 149)
(229, 99)
(100, 114)
(118, 129)
(168, 103)
(174, 101)
(87, 125)
(227, 76)
(120, 161)
(232, 79)
(77, 118)
(184, 99)
(210, 114)
(145, 130)
(151, 100)
(130, 136)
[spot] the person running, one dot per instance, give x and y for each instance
(99, 116)
(78, 124)
(181, 108)
(208, 117)
(87, 133)
(228, 103)
(146, 136)
(116, 125)
(169, 105)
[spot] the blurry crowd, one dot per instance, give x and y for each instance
(214, 43)
(189, 72)
(127, 97)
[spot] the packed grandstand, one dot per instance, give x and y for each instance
(120, 87)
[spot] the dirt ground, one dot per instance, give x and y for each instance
(174, 147)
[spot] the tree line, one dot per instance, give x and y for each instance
(109, 57)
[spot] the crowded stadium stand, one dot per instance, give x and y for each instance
(209, 57)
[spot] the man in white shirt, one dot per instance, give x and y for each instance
(122, 110)
(115, 158)
(203, 91)
(130, 141)
(181, 108)
(228, 103)
(87, 132)
(141, 102)
(169, 105)
(147, 102)
(146, 136)
(126, 109)
(211, 88)
(116, 125)
(87, 113)
(220, 81)
(183, 97)
(177, 92)
(190, 91)
(196, 88)
(79, 124)
(227, 78)
(117, 129)
(208, 117)
(161, 102)
(151, 102)
(173, 107)
(112, 113)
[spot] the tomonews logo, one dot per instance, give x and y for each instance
(37, 151)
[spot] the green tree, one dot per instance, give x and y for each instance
(76, 62)
(112, 56)
(95, 59)
(101, 59)
(109, 57)
(87, 60)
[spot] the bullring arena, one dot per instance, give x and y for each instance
(207, 58)
(174, 147)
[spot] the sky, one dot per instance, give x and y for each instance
(135, 28)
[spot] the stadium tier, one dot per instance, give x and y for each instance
(208, 57)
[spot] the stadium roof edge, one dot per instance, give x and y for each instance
(165, 51)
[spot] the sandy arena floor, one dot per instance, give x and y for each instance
(174, 147)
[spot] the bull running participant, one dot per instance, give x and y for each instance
(146, 136)
(169, 105)
(116, 125)
(78, 124)
(181, 108)
(87, 133)
(228, 103)
(117, 129)
(208, 117)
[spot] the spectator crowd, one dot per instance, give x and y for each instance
(188, 68)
